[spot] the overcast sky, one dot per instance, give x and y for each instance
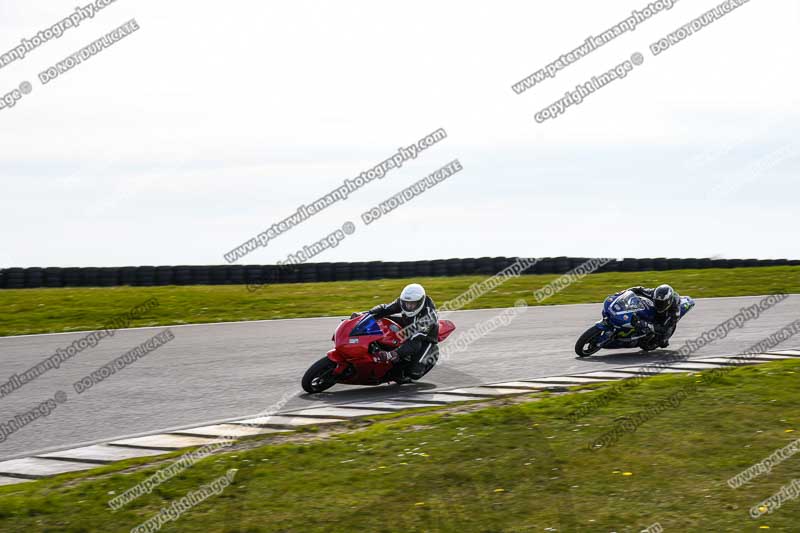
(216, 120)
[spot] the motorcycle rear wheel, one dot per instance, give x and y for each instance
(585, 347)
(319, 376)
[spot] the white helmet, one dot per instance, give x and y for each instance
(412, 299)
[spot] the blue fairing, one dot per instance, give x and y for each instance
(622, 309)
(603, 326)
(686, 305)
(619, 311)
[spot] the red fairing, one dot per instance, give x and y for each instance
(445, 329)
(340, 360)
(353, 351)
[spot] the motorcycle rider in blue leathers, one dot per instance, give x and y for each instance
(667, 305)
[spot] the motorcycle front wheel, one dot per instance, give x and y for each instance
(319, 377)
(586, 344)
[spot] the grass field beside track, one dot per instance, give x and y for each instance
(516, 466)
(27, 311)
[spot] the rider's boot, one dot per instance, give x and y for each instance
(402, 377)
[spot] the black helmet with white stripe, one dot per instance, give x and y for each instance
(662, 297)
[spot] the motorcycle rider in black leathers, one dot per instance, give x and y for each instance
(415, 312)
(667, 303)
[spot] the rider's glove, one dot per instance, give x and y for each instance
(385, 357)
(354, 315)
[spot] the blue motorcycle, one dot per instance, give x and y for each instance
(619, 329)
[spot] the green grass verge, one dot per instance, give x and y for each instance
(515, 467)
(55, 310)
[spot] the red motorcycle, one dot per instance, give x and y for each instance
(351, 361)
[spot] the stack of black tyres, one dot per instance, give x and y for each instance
(253, 274)
(408, 269)
(661, 263)
(146, 276)
(438, 268)
(646, 265)
(200, 275)
(561, 265)
(324, 272)
(164, 275)
(469, 266)
(391, 269)
(341, 271)
(108, 277)
(360, 271)
(53, 277)
(422, 268)
(218, 274)
(14, 278)
(545, 265)
(629, 264)
(127, 276)
(17, 278)
(454, 267)
(71, 276)
(375, 270)
(90, 277)
(485, 265)
(34, 277)
(183, 275)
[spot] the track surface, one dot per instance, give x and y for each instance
(210, 373)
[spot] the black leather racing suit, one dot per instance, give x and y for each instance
(422, 334)
(665, 321)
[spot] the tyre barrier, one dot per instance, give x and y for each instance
(164, 275)
(236, 275)
(252, 274)
(127, 276)
(439, 268)
(217, 275)
(54, 277)
(71, 277)
(109, 277)
(360, 271)
(325, 272)
(200, 275)
(454, 267)
(146, 276)
(485, 266)
(408, 269)
(89, 277)
(13, 278)
(561, 265)
(183, 275)
(470, 266)
(423, 268)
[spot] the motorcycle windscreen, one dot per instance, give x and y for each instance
(367, 326)
(624, 307)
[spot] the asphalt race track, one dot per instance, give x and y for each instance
(215, 372)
